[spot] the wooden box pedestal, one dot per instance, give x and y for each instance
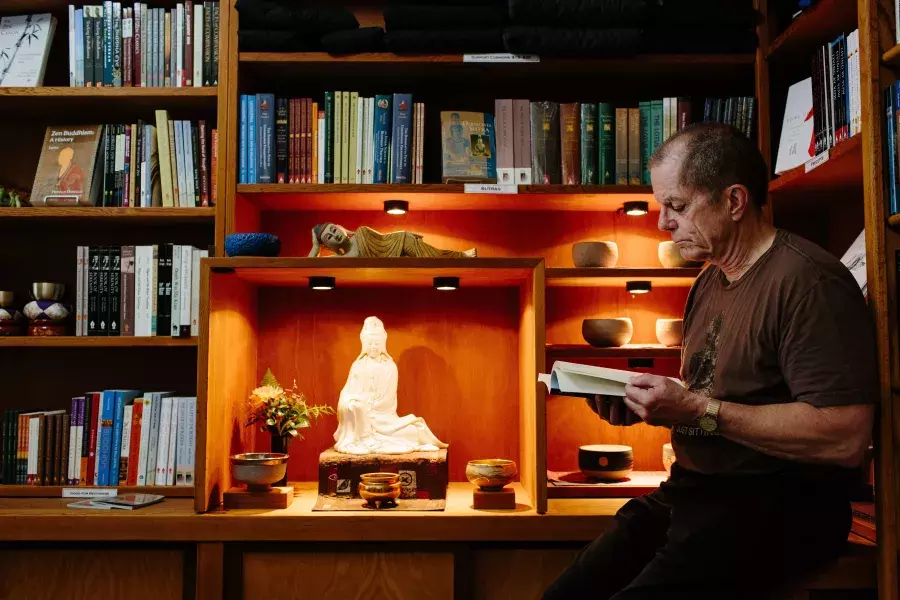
(276, 497)
(504, 499)
(423, 475)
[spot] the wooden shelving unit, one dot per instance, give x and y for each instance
(55, 491)
(109, 214)
(96, 342)
(823, 21)
(576, 351)
(843, 169)
(618, 276)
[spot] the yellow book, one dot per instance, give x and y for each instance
(314, 136)
(338, 123)
(165, 164)
(345, 138)
(352, 171)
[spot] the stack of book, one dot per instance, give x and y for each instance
(138, 291)
(112, 45)
(836, 92)
(108, 438)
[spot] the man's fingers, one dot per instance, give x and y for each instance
(638, 409)
(646, 380)
(637, 394)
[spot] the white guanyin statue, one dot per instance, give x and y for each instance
(367, 410)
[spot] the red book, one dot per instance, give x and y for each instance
(295, 142)
(304, 147)
(187, 76)
(92, 451)
(214, 161)
(292, 176)
(309, 140)
(134, 442)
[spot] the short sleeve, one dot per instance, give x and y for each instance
(827, 353)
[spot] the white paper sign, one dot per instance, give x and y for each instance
(818, 160)
(83, 492)
(501, 57)
(491, 188)
(795, 147)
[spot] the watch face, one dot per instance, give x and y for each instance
(708, 424)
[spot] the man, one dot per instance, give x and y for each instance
(769, 432)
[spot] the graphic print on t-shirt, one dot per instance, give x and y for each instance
(702, 367)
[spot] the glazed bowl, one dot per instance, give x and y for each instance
(607, 333)
(670, 332)
(668, 457)
(7, 299)
(252, 244)
(491, 474)
(606, 462)
(670, 257)
(259, 470)
(595, 254)
(44, 290)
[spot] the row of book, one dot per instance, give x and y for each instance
(346, 139)
(108, 438)
(891, 143)
(139, 291)
(112, 45)
(172, 163)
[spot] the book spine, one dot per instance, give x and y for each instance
(185, 301)
(169, 73)
(197, 256)
(181, 445)
(634, 146)
(365, 142)
(684, 113)
(178, 42)
(281, 140)
(73, 68)
(117, 44)
(538, 149)
(194, 144)
(72, 444)
(162, 449)
(202, 136)
(252, 142)
(105, 436)
(40, 468)
(400, 138)
(115, 272)
(345, 137)
(293, 143)
(188, 72)
(214, 164)
(503, 119)
(570, 128)
(329, 137)
(152, 286)
(62, 447)
(303, 152)
(320, 141)
(170, 454)
(215, 44)
(890, 147)
(521, 133)
(49, 439)
(88, 34)
(94, 256)
(79, 286)
(264, 136)
(198, 45)
(336, 134)
(94, 453)
(313, 142)
(589, 159)
(134, 438)
(164, 291)
(353, 169)
(126, 297)
(124, 447)
(144, 439)
(99, 75)
(621, 146)
(175, 311)
(126, 188)
(85, 472)
(115, 446)
(19, 458)
(371, 168)
(153, 439)
(646, 144)
(243, 173)
(207, 43)
(103, 291)
(383, 128)
(107, 43)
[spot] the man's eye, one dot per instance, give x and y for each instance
(677, 208)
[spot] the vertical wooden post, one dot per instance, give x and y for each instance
(210, 571)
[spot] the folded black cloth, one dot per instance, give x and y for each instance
(547, 41)
(699, 41)
(354, 41)
(499, 3)
(270, 14)
(264, 40)
(580, 13)
(444, 17)
(444, 42)
(704, 14)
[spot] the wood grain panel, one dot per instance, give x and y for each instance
(226, 122)
(348, 576)
(532, 395)
(55, 491)
(210, 571)
(517, 574)
(111, 215)
(96, 342)
(227, 373)
(39, 574)
(456, 354)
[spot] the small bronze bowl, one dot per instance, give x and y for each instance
(47, 291)
(258, 470)
(380, 490)
(7, 299)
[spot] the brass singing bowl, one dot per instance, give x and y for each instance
(376, 478)
(258, 469)
(7, 299)
(44, 290)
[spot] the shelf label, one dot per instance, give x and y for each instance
(491, 188)
(86, 492)
(501, 57)
(816, 161)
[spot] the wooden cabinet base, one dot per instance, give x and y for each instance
(504, 499)
(276, 497)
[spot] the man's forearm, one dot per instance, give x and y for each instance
(799, 431)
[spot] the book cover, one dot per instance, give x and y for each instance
(401, 138)
(798, 141)
(522, 142)
(353, 138)
(126, 297)
(345, 136)
(103, 292)
(589, 144)
(621, 146)
(607, 144)
(121, 399)
(503, 122)
(684, 113)
(265, 136)
(203, 163)
(570, 130)
(329, 137)
(252, 141)
(281, 140)
(24, 49)
(468, 146)
(545, 143)
(634, 146)
(646, 142)
(69, 164)
(383, 129)
(338, 135)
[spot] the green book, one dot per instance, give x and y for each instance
(338, 123)
(345, 138)
(656, 125)
(589, 162)
(606, 117)
(329, 137)
(646, 144)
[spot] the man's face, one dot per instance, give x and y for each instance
(698, 227)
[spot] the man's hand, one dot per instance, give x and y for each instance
(612, 409)
(660, 401)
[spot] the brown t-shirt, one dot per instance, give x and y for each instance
(794, 328)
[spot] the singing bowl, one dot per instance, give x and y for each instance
(670, 257)
(44, 290)
(606, 333)
(670, 332)
(258, 469)
(607, 462)
(491, 473)
(595, 254)
(7, 299)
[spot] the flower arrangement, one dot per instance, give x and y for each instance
(282, 412)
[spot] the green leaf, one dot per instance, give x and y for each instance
(270, 422)
(269, 379)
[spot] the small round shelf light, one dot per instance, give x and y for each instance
(396, 207)
(638, 287)
(636, 208)
(446, 283)
(321, 283)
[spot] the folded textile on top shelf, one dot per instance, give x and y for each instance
(412, 17)
(704, 14)
(354, 41)
(699, 41)
(500, 3)
(547, 41)
(580, 13)
(264, 40)
(273, 15)
(444, 42)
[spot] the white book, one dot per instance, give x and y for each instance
(79, 445)
(197, 254)
(34, 432)
(120, 152)
(857, 113)
(79, 47)
(198, 44)
(371, 135)
(72, 59)
(72, 458)
(320, 144)
(173, 442)
(189, 163)
(572, 379)
(140, 299)
(162, 447)
(667, 108)
(187, 262)
(795, 145)
(23, 63)
(143, 447)
(175, 312)
(179, 49)
(155, 409)
(359, 136)
(181, 445)
(125, 450)
(79, 291)
(191, 440)
(84, 292)
(149, 289)
(855, 261)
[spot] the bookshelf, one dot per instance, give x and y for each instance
(111, 215)
(577, 351)
(96, 342)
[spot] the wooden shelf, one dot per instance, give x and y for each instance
(437, 196)
(110, 215)
(75, 98)
(843, 169)
(55, 491)
(618, 276)
(96, 342)
(638, 484)
(819, 24)
(565, 351)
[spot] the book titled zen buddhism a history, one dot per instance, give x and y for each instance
(68, 172)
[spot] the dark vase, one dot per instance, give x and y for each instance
(280, 445)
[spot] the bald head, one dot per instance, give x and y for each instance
(712, 157)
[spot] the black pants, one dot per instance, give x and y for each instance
(715, 537)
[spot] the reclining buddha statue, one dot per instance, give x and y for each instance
(365, 242)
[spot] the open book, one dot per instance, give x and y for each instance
(120, 502)
(572, 379)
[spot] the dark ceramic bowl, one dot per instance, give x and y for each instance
(595, 254)
(607, 333)
(252, 244)
(606, 461)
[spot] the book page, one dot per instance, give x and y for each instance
(574, 378)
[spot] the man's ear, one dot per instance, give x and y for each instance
(738, 198)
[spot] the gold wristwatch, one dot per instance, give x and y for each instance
(709, 422)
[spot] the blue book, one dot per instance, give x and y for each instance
(401, 134)
(252, 142)
(105, 435)
(123, 398)
(245, 125)
(265, 135)
(107, 44)
(382, 142)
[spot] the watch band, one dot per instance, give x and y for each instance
(712, 408)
